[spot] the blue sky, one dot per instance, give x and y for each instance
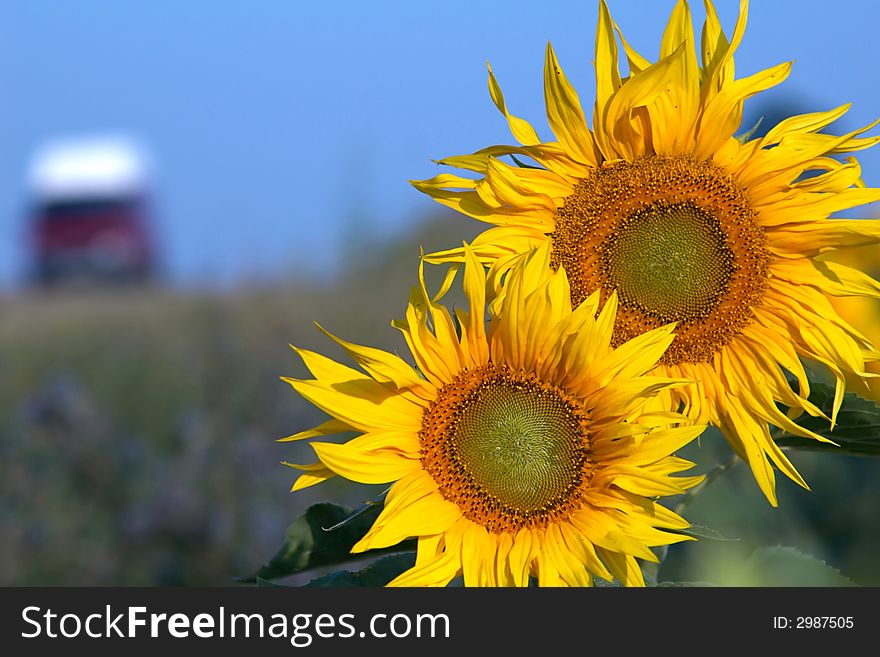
(275, 124)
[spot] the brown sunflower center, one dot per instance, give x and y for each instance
(506, 448)
(676, 238)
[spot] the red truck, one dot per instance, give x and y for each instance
(90, 212)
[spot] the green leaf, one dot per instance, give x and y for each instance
(857, 430)
(265, 583)
(788, 566)
(684, 584)
(377, 574)
(521, 164)
(748, 134)
(702, 533)
(323, 536)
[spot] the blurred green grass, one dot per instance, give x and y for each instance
(138, 427)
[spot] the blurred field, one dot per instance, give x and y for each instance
(137, 432)
(137, 425)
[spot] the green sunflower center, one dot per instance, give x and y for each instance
(670, 260)
(520, 443)
(507, 448)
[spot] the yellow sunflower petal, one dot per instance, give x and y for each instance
(624, 568)
(723, 113)
(520, 128)
(329, 427)
(803, 123)
(377, 467)
(477, 556)
(640, 91)
(833, 278)
(570, 567)
(362, 404)
(740, 430)
(564, 113)
(681, 101)
(314, 473)
(585, 551)
(382, 366)
(607, 72)
(435, 572)
(719, 63)
(426, 516)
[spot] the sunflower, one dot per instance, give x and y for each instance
(524, 450)
(662, 205)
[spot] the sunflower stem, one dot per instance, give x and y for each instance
(711, 476)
